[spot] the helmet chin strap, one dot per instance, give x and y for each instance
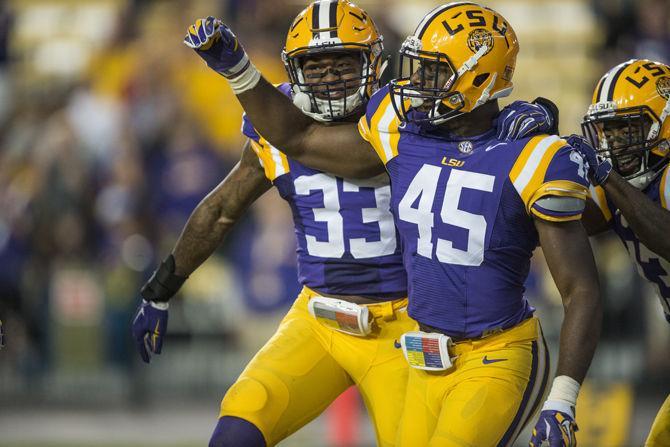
(331, 109)
(328, 110)
(336, 108)
(302, 101)
(472, 61)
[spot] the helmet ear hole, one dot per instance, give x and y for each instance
(480, 79)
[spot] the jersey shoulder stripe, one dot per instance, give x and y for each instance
(527, 174)
(380, 125)
(248, 129)
(375, 102)
(274, 162)
(545, 168)
(597, 194)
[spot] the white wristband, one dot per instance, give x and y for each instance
(160, 305)
(245, 81)
(564, 389)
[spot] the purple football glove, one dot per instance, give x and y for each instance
(149, 326)
(218, 46)
(556, 425)
(522, 119)
(599, 167)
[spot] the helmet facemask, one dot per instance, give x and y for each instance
(337, 99)
(424, 83)
(628, 138)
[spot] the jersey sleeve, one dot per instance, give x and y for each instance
(597, 194)
(273, 161)
(551, 179)
(379, 125)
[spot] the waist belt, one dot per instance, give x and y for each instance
(481, 335)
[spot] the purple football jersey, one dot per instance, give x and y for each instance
(347, 240)
(464, 210)
(650, 266)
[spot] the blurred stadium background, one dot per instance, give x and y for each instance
(111, 131)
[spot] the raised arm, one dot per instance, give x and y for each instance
(570, 261)
(332, 147)
(335, 148)
(209, 223)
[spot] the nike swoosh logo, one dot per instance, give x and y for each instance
(396, 344)
(487, 361)
(493, 147)
(156, 334)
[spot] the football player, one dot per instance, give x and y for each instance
(627, 124)
(343, 327)
(470, 208)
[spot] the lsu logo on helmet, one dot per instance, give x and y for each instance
(627, 120)
(479, 38)
(663, 86)
(478, 48)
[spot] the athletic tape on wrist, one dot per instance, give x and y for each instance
(564, 388)
(246, 80)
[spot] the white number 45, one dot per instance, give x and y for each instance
(423, 187)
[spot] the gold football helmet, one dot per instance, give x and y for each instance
(627, 120)
(327, 26)
(477, 48)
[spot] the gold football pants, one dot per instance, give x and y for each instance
(485, 399)
(659, 436)
(306, 365)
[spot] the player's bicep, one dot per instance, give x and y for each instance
(593, 219)
(339, 149)
(569, 256)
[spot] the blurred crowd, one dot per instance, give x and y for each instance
(111, 132)
(102, 159)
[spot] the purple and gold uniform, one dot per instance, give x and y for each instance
(347, 245)
(347, 242)
(650, 266)
(464, 209)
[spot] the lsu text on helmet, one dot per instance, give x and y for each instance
(627, 120)
(326, 27)
(477, 46)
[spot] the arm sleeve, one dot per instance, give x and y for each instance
(551, 179)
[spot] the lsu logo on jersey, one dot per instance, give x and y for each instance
(452, 162)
